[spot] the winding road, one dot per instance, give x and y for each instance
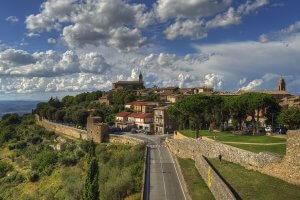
(161, 181)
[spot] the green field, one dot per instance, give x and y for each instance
(278, 148)
(196, 185)
(250, 184)
(230, 137)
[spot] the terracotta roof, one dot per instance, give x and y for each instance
(142, 103)
(123, 114)
(141, 115)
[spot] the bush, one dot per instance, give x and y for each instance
(68, 159)
(14, 177)
(4, 168)
(45, 161)
(21, 145)
(33, 176)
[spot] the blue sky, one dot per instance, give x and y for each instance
(59, 47)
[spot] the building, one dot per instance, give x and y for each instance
(290, 102)
(162, 122)
(106, 99)
(143, 121)
(174, 98)
(96, 130)
(121, 121)
(142, 106)
(203, 90)
(129, 85)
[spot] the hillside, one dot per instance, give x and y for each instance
(37, 164)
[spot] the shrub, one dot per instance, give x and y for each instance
(21, 145)
(4, 168)
(45, 161)
(33, 176)
(14, 177)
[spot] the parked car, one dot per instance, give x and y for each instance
(268, 129)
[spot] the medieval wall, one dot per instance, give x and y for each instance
(123, 139)
(63, 129)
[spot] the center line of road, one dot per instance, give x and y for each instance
(162, 173)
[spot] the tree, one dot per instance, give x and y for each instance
(67, 101)
(290, 117)
(91, 186)
(59, 115)
(80, 117)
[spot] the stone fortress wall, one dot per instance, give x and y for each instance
(287, 168)
(189, 148)
(83, 134)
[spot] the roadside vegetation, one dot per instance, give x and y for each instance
(276, 148)
(31, 166)
(198, 189)
(251, 184)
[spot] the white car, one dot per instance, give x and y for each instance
(268, 129)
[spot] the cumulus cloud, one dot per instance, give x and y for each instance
(213, 80)
(51, 41)
(31, 34)
(167, 9)
(12, 19)
(253, 84)
(114, 23)
(18, 63)
(197, 27)
(242, 80)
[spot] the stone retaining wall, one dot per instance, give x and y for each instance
(189, 148)
(215, 183)
(123, 139)
(293, 147)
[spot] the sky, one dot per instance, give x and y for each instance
(64, 47)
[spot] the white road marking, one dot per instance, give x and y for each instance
(162, 174)
(177, 173)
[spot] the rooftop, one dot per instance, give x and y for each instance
(141, 115)
(123, 114)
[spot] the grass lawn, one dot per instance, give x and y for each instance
(230, 137)
(250, 184)
(196, 185)
(278, 148)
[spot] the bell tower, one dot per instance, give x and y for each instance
(281, 84)
(140, 77)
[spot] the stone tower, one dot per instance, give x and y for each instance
(140, 77)
(281, 84)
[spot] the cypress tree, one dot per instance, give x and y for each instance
(91, 187)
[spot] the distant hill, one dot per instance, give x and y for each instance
(20, 107)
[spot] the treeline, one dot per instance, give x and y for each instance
(200, 111)
(75, 109)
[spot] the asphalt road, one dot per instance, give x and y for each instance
(162, 179)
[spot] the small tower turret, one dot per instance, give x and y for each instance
(140, 77)
(281, 84)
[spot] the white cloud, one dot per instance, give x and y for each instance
(263, 38)
(253, 84)
(12, 19)
(197, 27)
(293, 28)
(213, 80)
(31, 34)
(51, 41)
(167, 9)
(110, 22)
(18, 63)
